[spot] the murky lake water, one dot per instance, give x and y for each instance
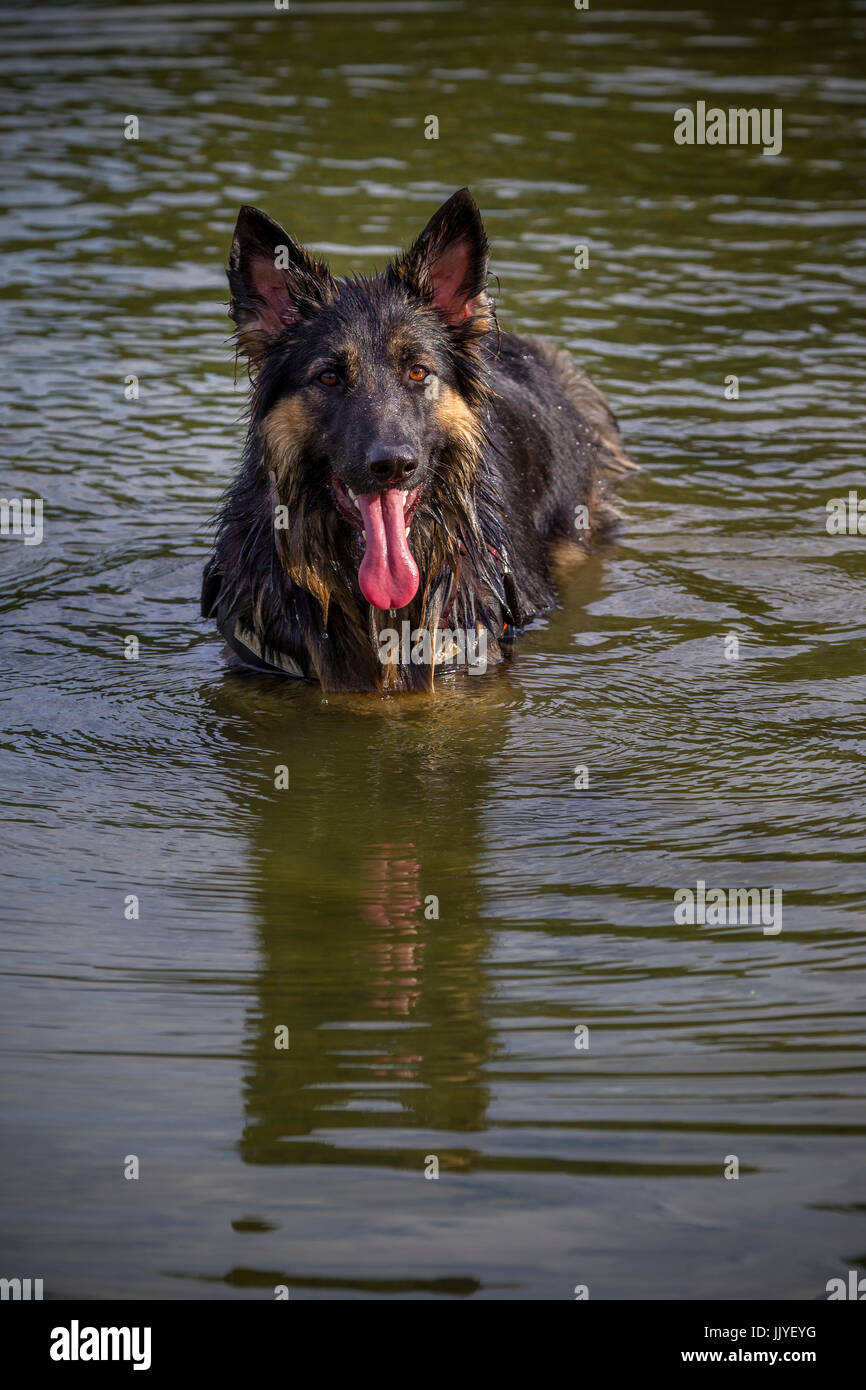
(305, 908)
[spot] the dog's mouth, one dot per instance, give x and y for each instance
(388, 575)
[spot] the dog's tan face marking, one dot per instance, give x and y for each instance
(403, 352)
(344, 357)
(287, 428)
(454, 416)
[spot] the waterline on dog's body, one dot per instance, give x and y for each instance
(441, 647)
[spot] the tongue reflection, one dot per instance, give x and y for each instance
(388, 575)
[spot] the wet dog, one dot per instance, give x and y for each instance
(408, 466)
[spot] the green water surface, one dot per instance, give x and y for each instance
(312, 908)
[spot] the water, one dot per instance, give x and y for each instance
(311, 908)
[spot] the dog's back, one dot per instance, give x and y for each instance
(555, 445)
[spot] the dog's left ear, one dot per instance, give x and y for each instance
(448, 263)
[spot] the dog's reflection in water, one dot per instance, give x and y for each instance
(373, 936)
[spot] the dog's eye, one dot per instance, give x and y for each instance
(328, 378)
(418, 373)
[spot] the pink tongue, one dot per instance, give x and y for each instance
(388, 575)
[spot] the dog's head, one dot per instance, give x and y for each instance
(367, 396)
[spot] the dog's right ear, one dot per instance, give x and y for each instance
(274, 282)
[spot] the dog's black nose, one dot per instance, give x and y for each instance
(392, 463)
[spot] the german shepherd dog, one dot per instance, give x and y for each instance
(408, 467)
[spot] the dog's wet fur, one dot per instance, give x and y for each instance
(399, 391)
